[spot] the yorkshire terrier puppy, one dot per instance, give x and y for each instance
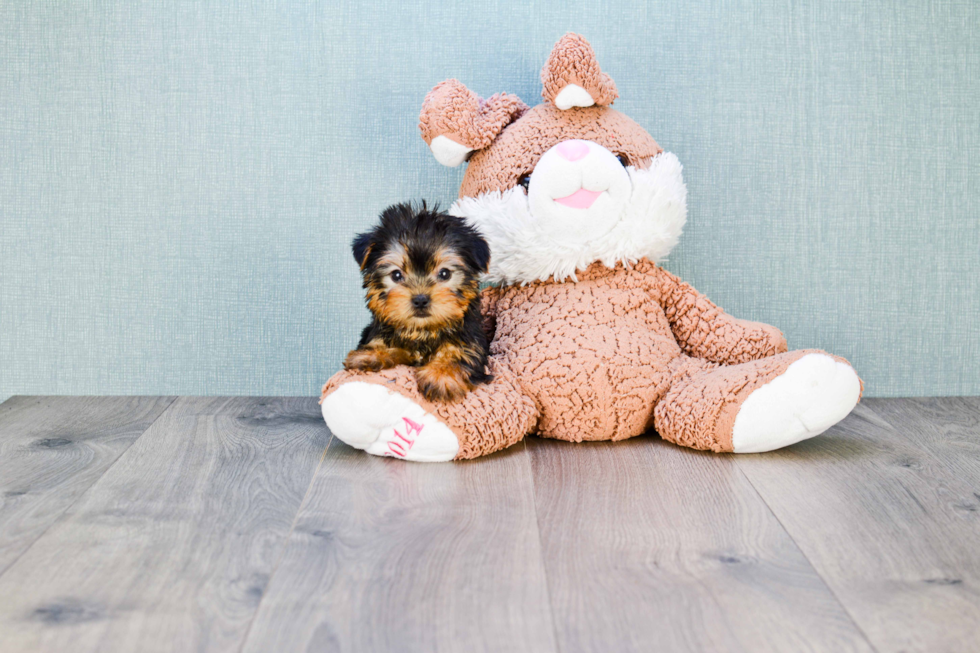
(421, 270)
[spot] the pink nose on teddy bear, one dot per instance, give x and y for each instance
(572, 150)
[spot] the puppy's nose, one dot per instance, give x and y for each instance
(572, 150)
(420, 301)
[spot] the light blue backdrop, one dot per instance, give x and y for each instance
(179, 181)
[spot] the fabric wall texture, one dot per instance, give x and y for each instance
(179, 181)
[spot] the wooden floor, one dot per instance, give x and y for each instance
(239, 524)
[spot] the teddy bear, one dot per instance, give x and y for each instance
(590, 338)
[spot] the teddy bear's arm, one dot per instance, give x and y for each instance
(489, 297)
(704, 330)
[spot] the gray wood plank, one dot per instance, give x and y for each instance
(894, 532)
(172, 548)
(52, 449)
(949, 427)
(395, 556)
(648, 546)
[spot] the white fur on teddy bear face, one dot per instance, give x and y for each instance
(555, 177)
(534, 240)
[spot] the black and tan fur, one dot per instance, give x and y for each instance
(436, 260)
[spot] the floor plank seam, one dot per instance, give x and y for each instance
(803, 553)
(544, 568)
(285, 547)
(88, 489)
(903, 432)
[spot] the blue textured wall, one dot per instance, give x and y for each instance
(179, 181)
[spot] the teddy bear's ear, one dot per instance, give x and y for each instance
(455, 121)
(572, 77)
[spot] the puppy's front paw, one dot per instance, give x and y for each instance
(364, 360)
(443, 382)
(376, 356)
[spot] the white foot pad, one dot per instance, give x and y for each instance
(384, 423)
(813, 394)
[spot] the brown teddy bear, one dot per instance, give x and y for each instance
(590, 339)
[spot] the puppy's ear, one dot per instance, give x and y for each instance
(362, 247)
(480, 252)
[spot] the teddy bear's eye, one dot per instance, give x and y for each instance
(445, 274)
(623, 159)
(397, 276)
(524, 181)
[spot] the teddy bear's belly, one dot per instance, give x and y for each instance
(591, 381)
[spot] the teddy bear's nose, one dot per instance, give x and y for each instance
(572, 150)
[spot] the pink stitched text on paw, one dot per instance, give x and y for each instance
(402, 448)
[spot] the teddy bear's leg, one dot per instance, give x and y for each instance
(385, 415)
(758, 406)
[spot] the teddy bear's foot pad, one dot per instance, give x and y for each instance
(814, 393)
(384, 423)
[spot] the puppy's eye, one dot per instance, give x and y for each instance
(445, 274)
(397, 276)
(524, 181)
(623, 159)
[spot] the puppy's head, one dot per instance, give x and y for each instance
(421, 268)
